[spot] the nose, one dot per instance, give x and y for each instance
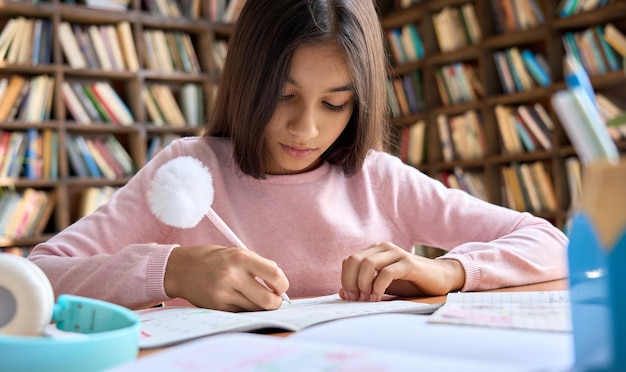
(303, 123)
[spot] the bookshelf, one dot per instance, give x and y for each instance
(187, 80)
(208, 29)
(486, 97)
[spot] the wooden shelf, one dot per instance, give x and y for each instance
(128, 84)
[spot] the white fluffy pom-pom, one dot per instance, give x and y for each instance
(181, 192)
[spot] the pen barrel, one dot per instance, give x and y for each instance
(596, 258)
(224, 229)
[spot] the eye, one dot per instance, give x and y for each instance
(286, 97)
(335, 108)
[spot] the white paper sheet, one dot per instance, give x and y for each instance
(249, 352)
(541, 351)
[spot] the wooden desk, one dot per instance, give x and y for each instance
(555, 285)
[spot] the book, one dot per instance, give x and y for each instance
(73, 104)
(16, 43)
(16, 83)
(395, 43)
(98, 157)
(99, 144)
(116, 47)
(574, 180)
(86, 103)
(45, 47)
(445, 138)
(127, 43)
(33, 160)
(416, 145)
(504, 72)
(511, 143)
(92, 167)
(192, 104)
(46, 206)
(470, 19)
(76, 161)
(152, 109)
(7, 36)
(102, 112)
(545, 186)
(401, 96)
(120, 154)
(99, 46)
(70, 46)
(86, 46)
(20, 213)
(615, 38)
(539, 130)
(535, 69)
(514, 187)
(25, 39)
(531, 188)
(112, 101)
(171, 325)
(167, 103)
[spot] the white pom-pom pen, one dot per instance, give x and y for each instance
(181, 194)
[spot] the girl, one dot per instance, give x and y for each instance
(295, 146)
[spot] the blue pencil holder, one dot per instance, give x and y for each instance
(597, 270)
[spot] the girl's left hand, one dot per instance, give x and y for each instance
(386, 268)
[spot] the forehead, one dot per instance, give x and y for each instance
(319, 60)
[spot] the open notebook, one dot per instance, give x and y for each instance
(170, 325)
(382, 342)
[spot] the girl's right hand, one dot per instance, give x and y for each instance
(224, 278)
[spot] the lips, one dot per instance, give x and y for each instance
(296, 152)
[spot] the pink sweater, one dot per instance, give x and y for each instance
(308, 223)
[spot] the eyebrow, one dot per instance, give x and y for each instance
(344, 88)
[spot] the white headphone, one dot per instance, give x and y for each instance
(23, 287)
(110, 332)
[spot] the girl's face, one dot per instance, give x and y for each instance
(315, 107)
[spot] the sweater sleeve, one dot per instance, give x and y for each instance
(498, 247)
(113, 254)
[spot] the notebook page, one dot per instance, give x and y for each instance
(533, 310)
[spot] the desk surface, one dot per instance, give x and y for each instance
(555, 285)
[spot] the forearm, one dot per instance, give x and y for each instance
(533, 252)
(131, 277)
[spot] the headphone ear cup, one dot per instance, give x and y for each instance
(26, 297)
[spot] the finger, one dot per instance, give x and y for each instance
(385, 277)
(272, 277)
(252, 294)
(268, 270)
(351, 269)
(349, 275)
(366, 275)
(370, 270)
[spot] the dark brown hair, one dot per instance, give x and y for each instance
(258, 62)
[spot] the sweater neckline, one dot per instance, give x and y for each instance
(300, 178)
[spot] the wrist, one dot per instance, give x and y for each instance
(170, 279)
(454, 272)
